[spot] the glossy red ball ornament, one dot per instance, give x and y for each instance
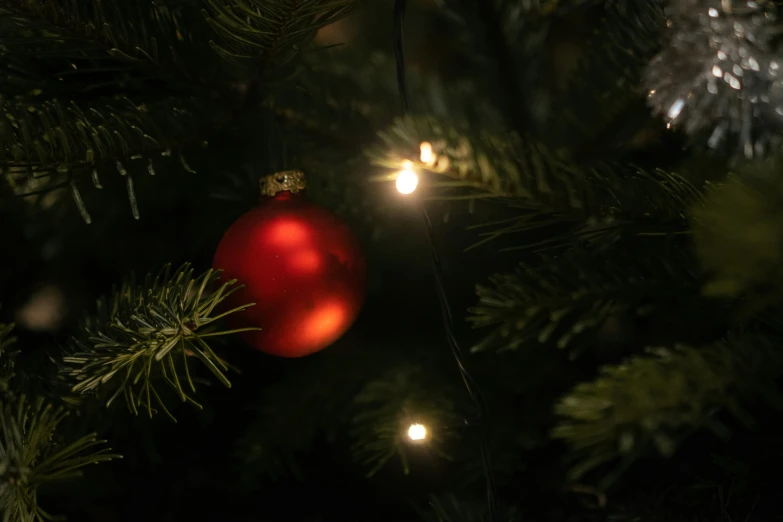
(301, 266)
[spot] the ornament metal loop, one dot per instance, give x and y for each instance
(284, 181)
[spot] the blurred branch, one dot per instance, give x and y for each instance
(573, 294)
(6, 340)
(7, 359)
(31, 456)
(656, 401)
(150, 331)
(738, 234)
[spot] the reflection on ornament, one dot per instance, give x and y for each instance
(417, 432)
(288, 232)
(325, 323)
(306, 260)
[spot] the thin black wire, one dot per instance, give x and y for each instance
(399, 54)
(448, 322)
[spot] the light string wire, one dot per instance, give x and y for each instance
(448, 322)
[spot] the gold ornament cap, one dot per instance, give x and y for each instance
(284, 181)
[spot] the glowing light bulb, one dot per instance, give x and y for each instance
(417, 432)
(427, 156)
(407, 180)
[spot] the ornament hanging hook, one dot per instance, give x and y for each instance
(284, 181)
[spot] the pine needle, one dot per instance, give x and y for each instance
(149, 333)
(31, 455)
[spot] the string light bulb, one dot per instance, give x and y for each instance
(427, 155)
(417, 432)
(407, 180)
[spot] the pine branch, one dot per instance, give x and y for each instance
(549, 188)
(388, 406)
(654, 402)
(72, 103)
(30, 456)
(170, 41)
(47, 145)
(570, 296)
(77, 97)
(7, 359)
(45, 137)
(152, 332)
(91, 84)
(51, 43)
(738, 233)
(256, 34)
(6, 340)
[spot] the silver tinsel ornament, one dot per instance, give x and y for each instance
(720, 73)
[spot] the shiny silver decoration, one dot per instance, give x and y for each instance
(720, 74)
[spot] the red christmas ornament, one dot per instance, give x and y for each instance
(299, 264)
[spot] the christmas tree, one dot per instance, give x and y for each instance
(533, 274)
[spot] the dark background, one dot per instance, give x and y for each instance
(206, 466)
